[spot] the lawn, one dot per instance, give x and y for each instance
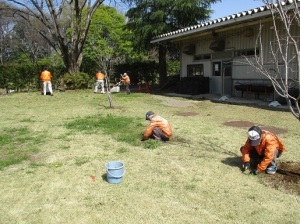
(54, 150)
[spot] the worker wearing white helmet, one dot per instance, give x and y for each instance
(261, 151)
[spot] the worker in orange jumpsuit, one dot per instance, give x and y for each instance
(158, 128)
(46, 78)
(126, 80)
(99, 81)
(261, 150)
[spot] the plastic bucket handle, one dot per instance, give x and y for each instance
(107, 170)
(116, 176)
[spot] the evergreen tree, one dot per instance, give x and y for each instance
(107, 44)
(149, 18)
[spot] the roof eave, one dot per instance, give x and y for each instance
(214, 24)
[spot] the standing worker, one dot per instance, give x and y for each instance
(46, 78)
(261, 151)
(126, 80)
(158, 128)
(99, 81)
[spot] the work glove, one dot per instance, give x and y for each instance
(255, 172)
(246, 166)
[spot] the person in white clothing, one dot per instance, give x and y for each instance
(99, 81)
(46, 77)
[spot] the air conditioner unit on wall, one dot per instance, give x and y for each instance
(217, 45)
(189, 49)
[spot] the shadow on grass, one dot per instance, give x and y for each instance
(104, 177)
(233, 161)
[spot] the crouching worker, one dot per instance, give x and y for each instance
(158, 128)
(261, 150)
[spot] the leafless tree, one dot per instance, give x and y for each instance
(6, 33)
(284, 68)
(28, 42)
(65, 24)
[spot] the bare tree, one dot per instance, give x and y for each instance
(284, 68)
(35, 46)
(65, 24)
(6, 34)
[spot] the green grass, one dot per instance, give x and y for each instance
(81, 160)
(122, 129)
(16, 145)
(51, 147)
(12, 159)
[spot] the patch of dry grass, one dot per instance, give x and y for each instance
(194, 178)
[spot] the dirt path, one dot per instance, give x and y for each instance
(168, 101)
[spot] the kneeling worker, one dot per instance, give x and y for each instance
(261, 151)
(158, 128)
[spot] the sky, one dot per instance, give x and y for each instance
(229, 7)
(221, 9)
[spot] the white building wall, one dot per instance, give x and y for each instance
(235, 41)
(185, 60)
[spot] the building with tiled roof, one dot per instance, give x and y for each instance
(213, 54)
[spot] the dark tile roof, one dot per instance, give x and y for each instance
(227, 20)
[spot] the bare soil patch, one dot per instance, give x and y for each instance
(287, 177)
(184, 114)
(243, 124)
(174, 102)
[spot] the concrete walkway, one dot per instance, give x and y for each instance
(233, 100)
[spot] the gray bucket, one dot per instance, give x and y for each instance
(115, 171)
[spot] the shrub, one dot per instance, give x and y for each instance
(77, 80)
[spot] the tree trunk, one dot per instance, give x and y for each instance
(69, 45)
(162, 64)
(71, 60)
(74, 66)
